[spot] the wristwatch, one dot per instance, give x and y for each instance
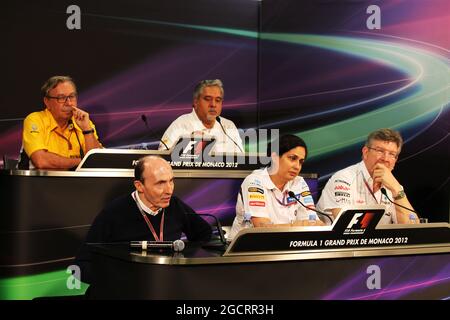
(88, 131)
(400, 195)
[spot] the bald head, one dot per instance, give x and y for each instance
(156, 166)
(151, 165)
(154, 181)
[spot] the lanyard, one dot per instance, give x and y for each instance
(68, 141)
(280, 202)
(149, 224)
(371, 192)
(284, 203)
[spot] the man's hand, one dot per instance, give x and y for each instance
(81, 119)
(383, 176)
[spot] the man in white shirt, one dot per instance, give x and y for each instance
(362, 183)
(205, 120)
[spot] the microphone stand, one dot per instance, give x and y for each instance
(144, 119)
(384, 192)
(292, 194)
(223, 129)
(223, 242)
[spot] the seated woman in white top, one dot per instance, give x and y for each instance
(264, 196)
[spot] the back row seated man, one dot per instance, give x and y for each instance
(205, 119)
(60, 135)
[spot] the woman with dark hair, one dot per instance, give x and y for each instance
(264, 200)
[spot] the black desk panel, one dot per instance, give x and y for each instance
(197, 273)
(45, 215)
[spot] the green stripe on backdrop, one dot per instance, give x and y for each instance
(428, 74)
(40, 285)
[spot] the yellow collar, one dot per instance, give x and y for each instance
(52, 124)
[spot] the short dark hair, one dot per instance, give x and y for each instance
(140, 166)
(53, 82)
(286, 142)
(207, 83)
(385, 134)
(139, 169)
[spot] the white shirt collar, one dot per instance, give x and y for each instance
(365, 172)
(141, 204)
(269, 183)
(200, 123)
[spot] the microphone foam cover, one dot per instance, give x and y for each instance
(178, 245)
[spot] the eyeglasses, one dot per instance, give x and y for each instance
(381, 152)
(63, 99)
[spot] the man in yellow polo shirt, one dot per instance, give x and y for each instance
(59, 136)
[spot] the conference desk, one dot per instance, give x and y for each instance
(199, 273)
(310, 262)
(45, 216)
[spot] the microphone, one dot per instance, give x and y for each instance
(144, 118)
(223, 129)
(384, 192)
(292, 195)
(71, 127)
(223, 241)
(177, 245)
(219, 226)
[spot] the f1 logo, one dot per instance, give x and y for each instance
(364, 222)
(190, 147)
(354, 220)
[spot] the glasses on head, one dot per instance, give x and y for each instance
(380, 152)
(63, 99)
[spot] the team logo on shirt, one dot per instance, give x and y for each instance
(34, 128)
(342, 194)
(256, 182)
(305, 194)
(308, 200)
(257, 196)
(341, 181)
(291, 200)
(255, 189)
(342, 188)
(257, 203)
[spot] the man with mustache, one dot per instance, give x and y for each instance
(59, 136)
(361, 183)
(203, 120)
